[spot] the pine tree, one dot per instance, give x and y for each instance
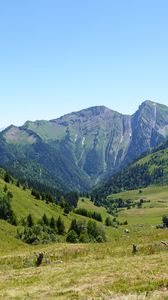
(18, 183)
(60, 226)
(53, 224)
(7, 177)
(5, 188)
(30, 222)
(108, 221)
(45, 220)
(74, 226)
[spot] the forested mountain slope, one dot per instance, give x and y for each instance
(77, 150)
(151, 169)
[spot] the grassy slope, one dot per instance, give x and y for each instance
(151, 212)
(24, 203)
(91, 271)
(152, 169)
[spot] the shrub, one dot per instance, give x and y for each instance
(86, 232)
(108, 221)
(165, 221)
(72, 237)
(94, 231)
(84, 237)
(37, 234)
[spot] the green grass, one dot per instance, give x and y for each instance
(151, 212)
(87, 204)
(46, 130)
(24, 203)
(93, 271)
(88, 271)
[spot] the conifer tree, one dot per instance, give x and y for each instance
(53, 224)
(45, 220)
(30, 222)
(74, 226)
(60, 226)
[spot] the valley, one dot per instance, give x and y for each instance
(83, 150)
(88, 192)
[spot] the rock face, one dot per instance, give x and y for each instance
(80, 148)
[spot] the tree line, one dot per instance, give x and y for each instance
(51, 230)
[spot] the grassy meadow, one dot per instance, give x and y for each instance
(89, 271)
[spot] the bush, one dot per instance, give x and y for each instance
(86, 232)
(37, 234)
(99, 239)
(72, 237)
(165, 221)
(94, 231)
(108, 222)
(84, 237)
(44, 231)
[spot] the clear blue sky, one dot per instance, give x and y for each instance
(58, 56)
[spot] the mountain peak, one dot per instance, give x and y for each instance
(148, 103)
(95, 110)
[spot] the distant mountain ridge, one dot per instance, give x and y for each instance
(77, 150)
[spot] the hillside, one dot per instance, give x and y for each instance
(150, 169)
(79, 149)
(24, 203)
(82, 271)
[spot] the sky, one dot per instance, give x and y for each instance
(59, 56)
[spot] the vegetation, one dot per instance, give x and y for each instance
(150, 169)
(34, 230)
(70, 153)
(6, 212)
(85, 232)
(83, 267)
(113, 205)
(84, 212)
(165, 221)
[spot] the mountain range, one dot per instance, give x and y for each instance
(78, 150)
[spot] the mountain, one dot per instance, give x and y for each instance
(80, 148)
(150, 169)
